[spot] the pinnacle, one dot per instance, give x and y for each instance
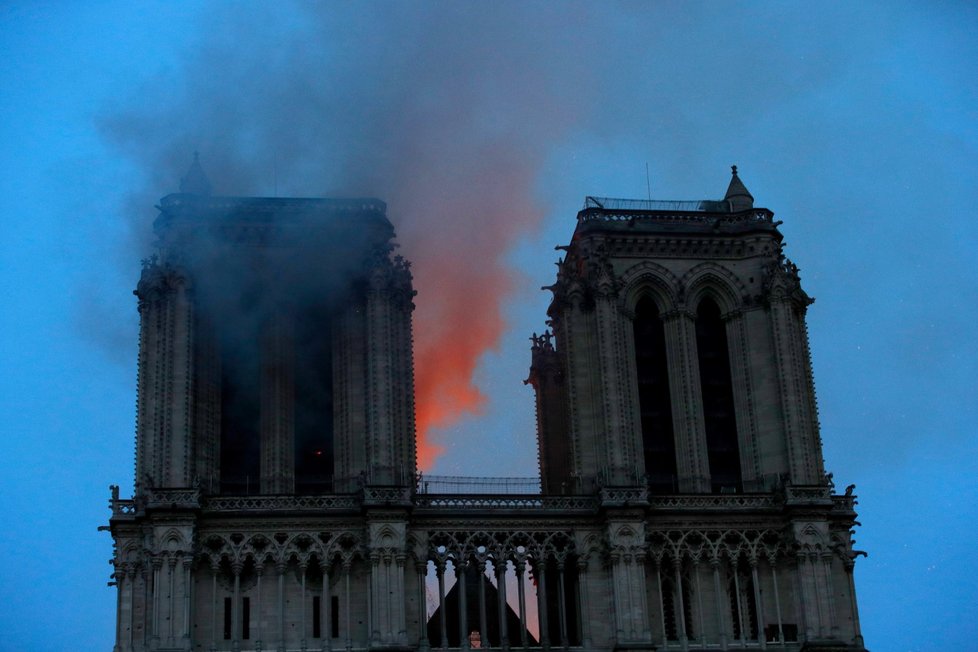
(737, 193)
(195, 182)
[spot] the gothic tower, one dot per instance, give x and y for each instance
(684, 504)
(677, 386)
(275, 381)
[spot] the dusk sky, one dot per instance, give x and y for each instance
(484, 126)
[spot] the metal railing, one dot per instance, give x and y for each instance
(451, 484)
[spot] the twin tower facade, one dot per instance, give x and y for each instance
(683, 502)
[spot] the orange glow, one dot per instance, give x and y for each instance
(456, 222)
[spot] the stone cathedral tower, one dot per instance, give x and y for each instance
(684, 504)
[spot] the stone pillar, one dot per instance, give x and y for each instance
(618, 432)
(380, 378)
(692, 461)
(422, 570)
(500, 566)
(281, 567)
(278, 406)
(738, 344)
(797, 392)
(543, 617)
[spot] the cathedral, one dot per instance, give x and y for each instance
(682, 502)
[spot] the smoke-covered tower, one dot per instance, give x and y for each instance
(275, 383)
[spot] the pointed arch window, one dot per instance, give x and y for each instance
(313, 401)
(655, 402)
(719, 418)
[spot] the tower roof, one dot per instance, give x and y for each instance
(737, 194)
(195, 182)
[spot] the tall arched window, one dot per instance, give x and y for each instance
(240, 401)
(718, 404)
(313, 401)
(653, 395)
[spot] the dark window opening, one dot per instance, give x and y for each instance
(313, 402)
(334, 620)
(670, 602)
(571, 625)
(743, 614)
(245, 618)
(316, 616)
(654, 399)
(227, 619)
(790, 631)
(240, 400)
(719, 418)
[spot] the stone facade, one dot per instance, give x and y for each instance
(277, 505)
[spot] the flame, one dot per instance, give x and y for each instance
(462, 281)
(460, 322)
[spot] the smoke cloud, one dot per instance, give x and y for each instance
(445, 111)
(449, 112)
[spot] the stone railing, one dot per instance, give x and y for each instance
(281, 503)
(386, 496)
(756, 216)
(715, 502)
(808, 494)
(624, 496)
(172, 499)
(507, 501)
(122, 507)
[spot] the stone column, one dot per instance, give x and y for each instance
(422, 570)
(797, 392)
(259, 572)
(483, 628)
(738, 343)
(443, 616)
(583, 602)
(521, 595)
(692, 461)
(758, 604)
(715, 564)
(188, 593)
(280, 567)
(777, 598)
(236, 568)
(278, 406)
(542, 616)
(171, 565)
(500, 567)
(380, 377)
(463, 621)
(326, 610)
(157, 565)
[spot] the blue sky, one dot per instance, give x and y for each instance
(857, 126)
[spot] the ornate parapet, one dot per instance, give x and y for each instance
(716, 503)
(624, 496)
(387, 496)
(263, 504)
(528, 502)
(171, 499)
(808, 495)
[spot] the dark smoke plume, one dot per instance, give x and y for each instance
(446, 111)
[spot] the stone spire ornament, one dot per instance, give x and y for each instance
(195, 182)
(737, 194)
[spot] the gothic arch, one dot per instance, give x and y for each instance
(716, 281)
(648, 279)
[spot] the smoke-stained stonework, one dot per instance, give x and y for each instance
(277, 505)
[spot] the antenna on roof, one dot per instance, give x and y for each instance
(648, 181)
